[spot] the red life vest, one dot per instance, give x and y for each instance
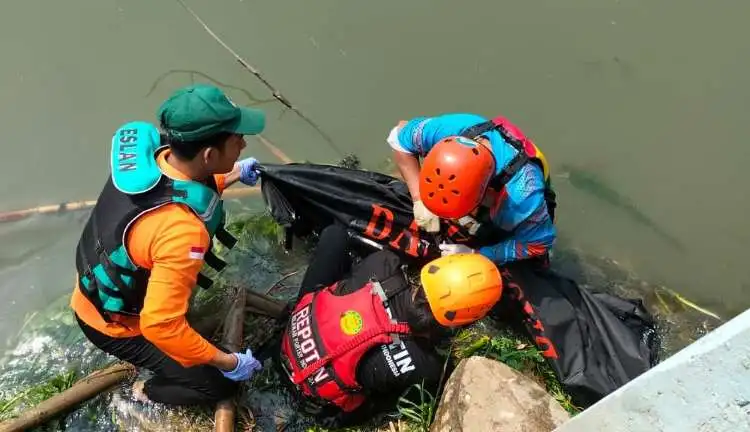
(514, 136)
(327, 336)
(527, 152)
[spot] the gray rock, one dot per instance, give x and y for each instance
(485, 395)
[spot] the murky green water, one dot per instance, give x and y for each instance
(640, 107)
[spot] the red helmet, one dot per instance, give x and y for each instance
(454, 176)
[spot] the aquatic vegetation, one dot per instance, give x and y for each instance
(254, 226)
(685, 303)
(419, 415)
(33, 395)
(254, 263)
(350, 161)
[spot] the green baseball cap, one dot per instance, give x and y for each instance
(200, 111)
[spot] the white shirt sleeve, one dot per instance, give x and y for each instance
(394, 142)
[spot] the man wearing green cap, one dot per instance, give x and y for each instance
(148, 237)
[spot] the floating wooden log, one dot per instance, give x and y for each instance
(83, 390)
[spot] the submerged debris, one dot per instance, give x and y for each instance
(350, 161)
(597, 187)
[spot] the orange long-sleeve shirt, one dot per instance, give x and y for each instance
(161, 241)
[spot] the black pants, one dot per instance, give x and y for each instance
(172, 383)
(330, 261)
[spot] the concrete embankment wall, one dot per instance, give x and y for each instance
(704, 387)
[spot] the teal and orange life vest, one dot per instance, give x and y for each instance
(107, 276)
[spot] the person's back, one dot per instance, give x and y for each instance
(161, 235)
(357, 339)
(388, 369)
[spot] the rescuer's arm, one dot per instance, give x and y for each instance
(408, 166)
(176, 258)
(419, 135)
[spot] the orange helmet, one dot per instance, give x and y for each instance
(461, 288)
(454, 176)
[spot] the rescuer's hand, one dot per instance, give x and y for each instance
(247, 365)
(425, 218)
(249, 171)
(452, 249)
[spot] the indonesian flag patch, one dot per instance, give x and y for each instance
(197, 252)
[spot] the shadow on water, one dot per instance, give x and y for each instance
(589, 183)
(52, 344)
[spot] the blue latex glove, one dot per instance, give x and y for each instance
(249, 171)
(247, 365)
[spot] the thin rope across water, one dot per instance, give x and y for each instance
(274, 91)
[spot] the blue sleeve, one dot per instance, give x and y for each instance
(524, 212)
(419, 135)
